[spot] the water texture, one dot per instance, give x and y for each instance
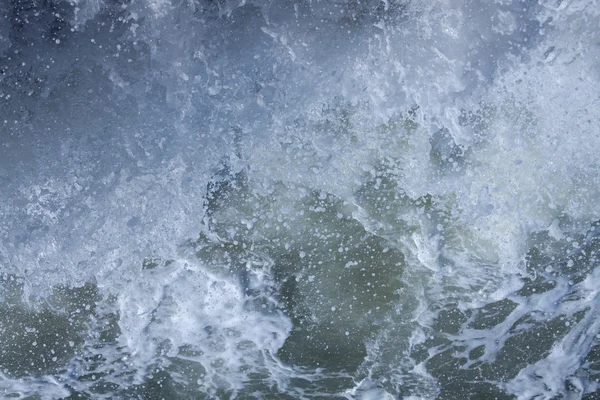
(299, 199)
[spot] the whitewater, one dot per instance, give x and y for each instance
(300, 199)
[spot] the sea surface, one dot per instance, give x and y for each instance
(300, 199)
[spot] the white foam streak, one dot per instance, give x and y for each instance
(549, 377)
(45, 387)
(188, 306)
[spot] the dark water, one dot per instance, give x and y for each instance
(299, 199)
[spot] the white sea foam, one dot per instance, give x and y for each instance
(204, 319)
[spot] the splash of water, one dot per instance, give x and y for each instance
(259, 199)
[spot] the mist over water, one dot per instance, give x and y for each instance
(264, 199)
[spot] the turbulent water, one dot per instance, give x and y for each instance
(300, 199)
